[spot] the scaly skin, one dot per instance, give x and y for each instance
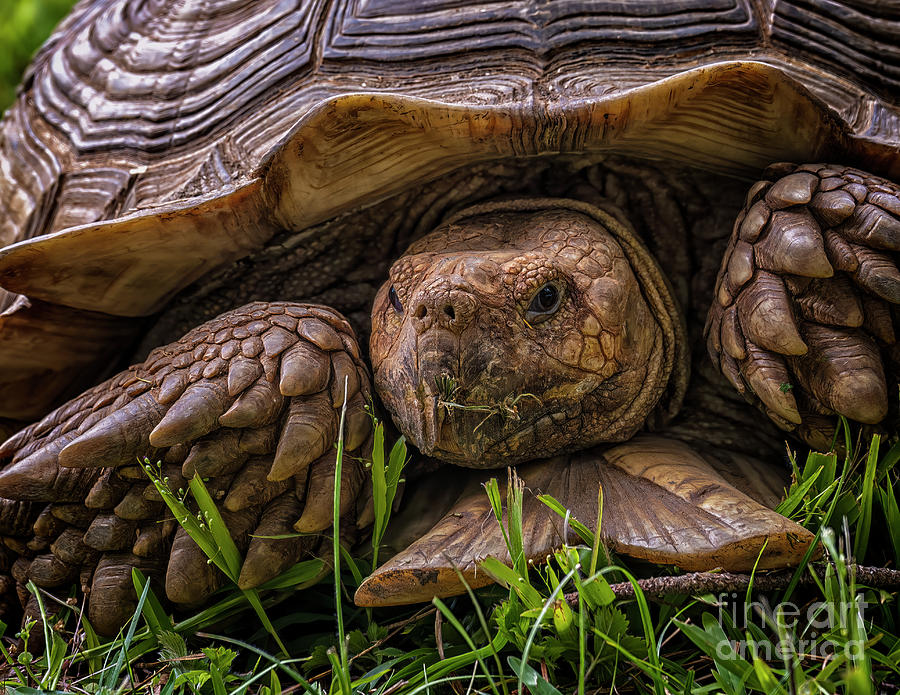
(250, 401)
(802, 322)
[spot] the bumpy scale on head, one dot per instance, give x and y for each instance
(510, 334)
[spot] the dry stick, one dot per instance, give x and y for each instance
(720, 582)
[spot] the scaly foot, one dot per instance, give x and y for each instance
(805, 293)
(249, 401)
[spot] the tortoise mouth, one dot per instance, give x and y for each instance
(459, 400)
(443, 420)
(482, 434)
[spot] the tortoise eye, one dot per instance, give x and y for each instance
(544, 303)
(395, 300)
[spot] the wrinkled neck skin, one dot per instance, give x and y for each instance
(520, 329)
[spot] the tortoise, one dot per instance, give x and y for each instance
(561, 235)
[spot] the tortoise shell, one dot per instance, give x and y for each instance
(153, 142)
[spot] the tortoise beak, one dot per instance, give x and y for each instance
(420, 414)
(409, 383)
(432, 421)
(437, 365)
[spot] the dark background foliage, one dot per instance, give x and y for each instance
(24, 26)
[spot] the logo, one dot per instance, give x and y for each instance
(786, 630)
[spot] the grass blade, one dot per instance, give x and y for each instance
(583, 531)
(866, 501)
(448, 614)
(343, 672)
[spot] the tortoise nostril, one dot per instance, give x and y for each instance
(450, 312)
(421, 312)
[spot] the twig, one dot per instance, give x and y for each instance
(439, 634)
(394, 628)
(722, 582)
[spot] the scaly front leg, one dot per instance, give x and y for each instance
(250, 401)
(803, 305)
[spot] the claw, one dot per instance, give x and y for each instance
(70, 547)
(134, 507)
(113, 600)
(794, 245)
(269, 557)
(712, 332)
(766, 317)
(47, 525)
(48, 571)
(73, 514)
(173, 478)
(276, 340)
(39, 478)
(756, 191)
(109, 532)
(817, 432)
(20, 439)
(189, 577)
(241, 373)
(732, 338)
(259, 441)
(358, 425)
(257, 406)
(832, 301)
(152, 540)
(844, 372)
(317, 514)
(878, 274)
(173, 385)
(871, 226)
(886, 201)
(117, 438)
(311, 428)
(754, 222)
(175, 455)
(767, 374)
(304, 370)
(251, 487)
(320, 334)
(220, 454)
(833, 207)
(344, 369)
(840, 253)
(732, 372)
(878, 320)
(740, 265)
(193, 415)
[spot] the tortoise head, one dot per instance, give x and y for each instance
(519, 328)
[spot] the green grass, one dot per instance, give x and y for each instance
(558, 628)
